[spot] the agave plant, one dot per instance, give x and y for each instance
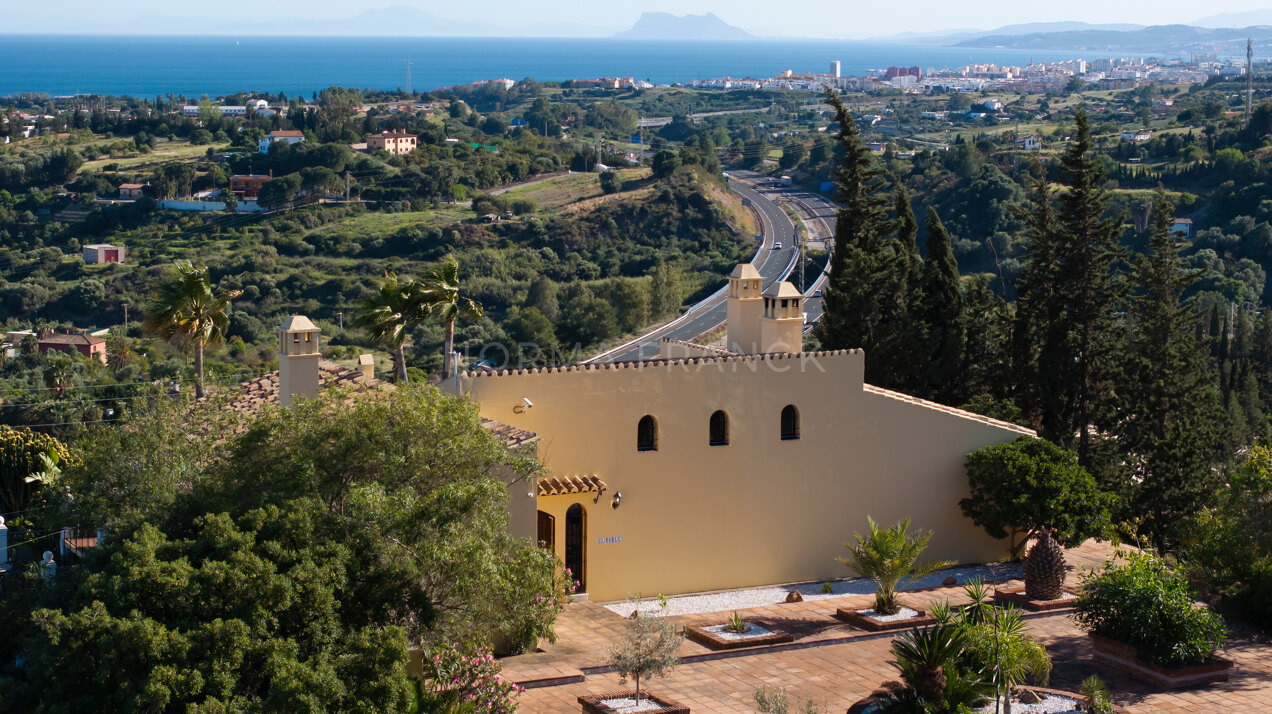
(975, 612)
(888, 556)
(736, 624)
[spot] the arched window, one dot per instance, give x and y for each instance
(719, 429)
(790, 422)
(647, 434)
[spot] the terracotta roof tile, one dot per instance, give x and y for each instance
(560, 485)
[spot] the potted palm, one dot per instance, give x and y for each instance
(888, 556)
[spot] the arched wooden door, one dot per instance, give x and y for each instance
(575, 542)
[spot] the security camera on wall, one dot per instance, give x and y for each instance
(523, 407)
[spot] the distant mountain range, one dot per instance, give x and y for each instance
(955, 36)
(665, 26)
(1166, 39)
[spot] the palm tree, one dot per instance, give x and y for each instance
(442, 284)
(118, 353)
(187, 309)
(887, 557)
(389, 315)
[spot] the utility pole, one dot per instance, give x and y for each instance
(408, 75)
(125, 317)
(1249, 79)
(340, 314)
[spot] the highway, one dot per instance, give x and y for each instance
(818, 213)
(711, 312)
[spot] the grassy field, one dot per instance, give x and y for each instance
(164, 152)
(557, 194)
(375, 223)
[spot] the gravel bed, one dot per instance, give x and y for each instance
(755, 631)
(904, 613)
(773, 595)
(624, 705)
(1050, 704)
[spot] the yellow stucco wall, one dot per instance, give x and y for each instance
(761, 510)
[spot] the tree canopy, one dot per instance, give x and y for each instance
(290, 566)
(1029, 484)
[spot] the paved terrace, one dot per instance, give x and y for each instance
(836, 664)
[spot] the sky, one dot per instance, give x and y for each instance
(792, 18)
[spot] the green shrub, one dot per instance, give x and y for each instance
(1149, 605)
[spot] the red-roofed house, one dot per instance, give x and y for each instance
(80, 342)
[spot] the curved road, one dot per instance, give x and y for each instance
(818, 214)
(773, 264)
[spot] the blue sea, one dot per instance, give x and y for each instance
(146, 66)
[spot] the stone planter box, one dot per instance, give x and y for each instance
(865, 622)
(1122, 656)
(1015, 594)
(715, 641)
(592, 703)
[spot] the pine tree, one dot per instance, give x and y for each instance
(944, 316)
(1171, 416)
(860, 266)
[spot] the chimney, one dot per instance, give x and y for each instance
(744, 309)
(297, 359)
(366, 365)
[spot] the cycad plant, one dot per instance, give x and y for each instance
(887, 556)
(1045, 568)
(187, 309)
(391, 313)
(932, 678)
(442, 285)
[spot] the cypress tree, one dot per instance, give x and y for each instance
(986, 344)
(1261, 354)
(1037, 304)
(1171, 415)
(1078, 359)
(903, 345)
(859, 266)
(944, 316)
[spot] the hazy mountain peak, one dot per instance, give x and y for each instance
(665, 26)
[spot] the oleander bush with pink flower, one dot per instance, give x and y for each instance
(471, 683)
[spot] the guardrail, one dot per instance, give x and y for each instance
(689, 313)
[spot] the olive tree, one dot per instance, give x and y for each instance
(647, 648)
